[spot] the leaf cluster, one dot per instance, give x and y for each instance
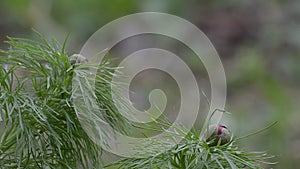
(41, 127)
(194, 153)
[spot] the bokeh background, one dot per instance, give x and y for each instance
(258, 43)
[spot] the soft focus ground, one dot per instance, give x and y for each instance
(258, 42)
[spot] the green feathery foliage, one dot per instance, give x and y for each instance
(193, 153)
(41, 127)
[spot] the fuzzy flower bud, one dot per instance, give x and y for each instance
(77, 59)
(218, 132)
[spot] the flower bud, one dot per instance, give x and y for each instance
(218, 133)
(77, 59)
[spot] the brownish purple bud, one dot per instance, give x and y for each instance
(77, 59)
(218, 133)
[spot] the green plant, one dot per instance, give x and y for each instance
(194, 152)
(41, 126)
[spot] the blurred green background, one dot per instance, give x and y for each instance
(258, 42)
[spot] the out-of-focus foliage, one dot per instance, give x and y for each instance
(258, 42)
